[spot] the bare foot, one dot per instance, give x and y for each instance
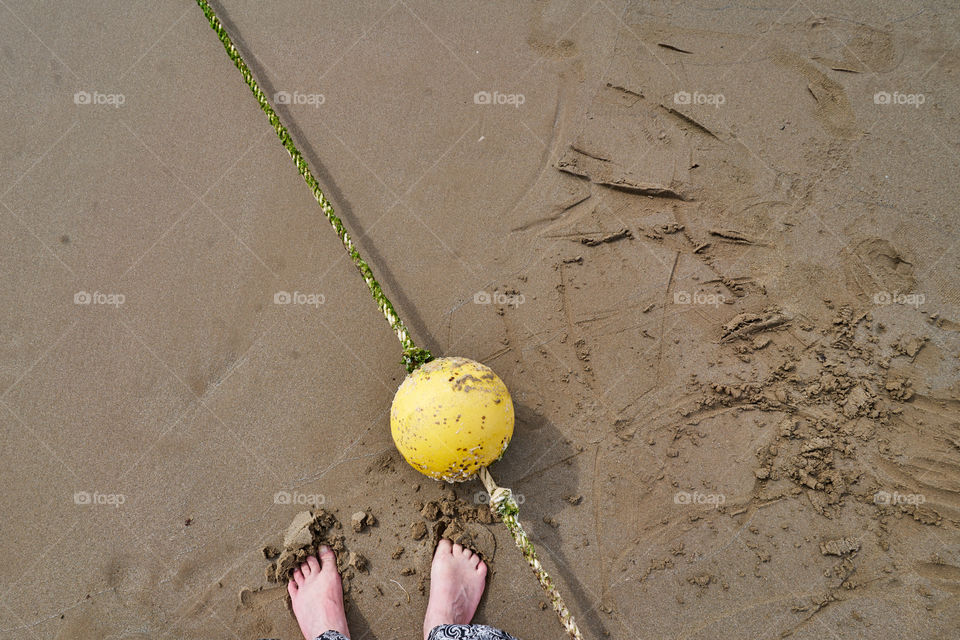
(456, 584)
(317, 596)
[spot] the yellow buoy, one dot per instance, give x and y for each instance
(451, 417)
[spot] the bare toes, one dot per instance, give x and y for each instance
(328, 559)
(292, 588)
(298, 576)
(474, 561)
(313, 564)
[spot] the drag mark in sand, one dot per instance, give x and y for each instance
(663, 315)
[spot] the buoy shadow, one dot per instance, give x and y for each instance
(543, 469)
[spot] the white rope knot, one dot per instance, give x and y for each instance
(500, 496)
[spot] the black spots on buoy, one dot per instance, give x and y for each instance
(496, 400)
(461, 383)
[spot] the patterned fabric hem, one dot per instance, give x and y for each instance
(467, 632)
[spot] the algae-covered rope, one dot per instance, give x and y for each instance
(503, 504)
(413, 356)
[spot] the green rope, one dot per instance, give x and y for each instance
(503, 505)
(413, 356)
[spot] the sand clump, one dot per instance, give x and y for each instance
(839, 547)
(307, 532)
(361, 520)
(459, 521)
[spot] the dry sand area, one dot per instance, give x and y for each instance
(712, 248)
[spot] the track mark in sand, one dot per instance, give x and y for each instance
(875, 264)
(676, 408)
(822, 602)
(689, 123)
(260, 597)
(603, 318)
(509, 333)
(832, 109)
(673, 48)
(550, 151)
(944, 576)
(610, 237)
(946, 324)
(554, 216)
(699, 251)
(745, 324)
(943, 407)
(711, 412)
(545, 468)
(564, 304)
(762, 605)
(604, 586)
(755, 505)
(589, 154)
(663, 316)
(496, 354)
(631, 327)
(579, 164)
(735, 237)
(585, 374)
(605, 315)
(934, 493)
(624, 90)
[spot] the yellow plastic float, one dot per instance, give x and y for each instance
(451, 417)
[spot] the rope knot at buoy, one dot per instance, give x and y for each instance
(503, 503)
(414, 357)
